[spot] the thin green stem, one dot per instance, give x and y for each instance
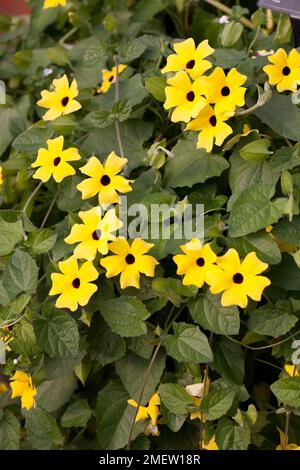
(50, 209)
(29, 200)
(261, 348)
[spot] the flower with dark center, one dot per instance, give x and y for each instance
(76, 283)
(286, 71)
(96, 235)
(56, 161)
(200, 262)
(190, 96)
(213, 121)
(190, 64)
(225, 91)
(65, 101)
(111, 78)
(238, 278)
(105, 180)
(130, 259)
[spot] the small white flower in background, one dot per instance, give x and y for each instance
(15, 361)
(223, 19)
(47, 72)
(264, 53)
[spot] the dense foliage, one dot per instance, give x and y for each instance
(208, 369)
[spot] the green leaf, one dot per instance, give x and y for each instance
(256, 151)
(173, 290)
(217, 403)
(229, 436)
(268, 114)
(175, 398)
(132, 370)
(156, 86)
(9, 431)
(54, 393)
(188, 344)
(32, 139)
(94, 55)
(273, 320)
(12, 122)
(58, 335)
(24, 342)
(20, 274)
(131, 50)
(262, 243)
(106, 346)
(287, 391)
(228, 58)
(285, 158)
(208, 312)
(228, 360)
(231, 33)
(10, 234)
(42, 430)
(125, 315)
(286, 275)
(41, 241)
(12, 312)
(132, 91)
(252, 211)
(190, 166)
(288, 231)
(76, 415)
(69, 199)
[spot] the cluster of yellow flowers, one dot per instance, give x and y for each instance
(204, 102)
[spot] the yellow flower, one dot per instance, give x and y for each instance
(211, 445)
(238, 280)
(291, 369)
(53, 161)
(195, 262)
(151, 411)
(284, 71)
(130, 261)
(21, 385)
(198, 392)
(53, 3)
(60, 101)
(109, 77)
(225, 91)
(8, 338)
(189, 58)
(74, 284)
(212, 128)
(288, 446)
(3, 388)
(1, 176)
(94, 234)
(184, 96)
(104, 180)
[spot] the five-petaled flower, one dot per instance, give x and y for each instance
(151, 411)
(189, 58)
(184, 96)
(74, 284)
(53, 161)
(284, 70)
(61, 100)
(196, 261)
(109, 77)
(53, 3)
(94, 234)
(104, 180)
(129, 261)
(21, 385)
(237, 280)
(212, 127)
(226, 92)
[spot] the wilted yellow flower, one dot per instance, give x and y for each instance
(109, 77)
(189, 58)
(237, 280)
(151, 411)
(195, 262)
(284, 71)
(104, 180)
(184, 96)
(211, 445)
(212, 127)
(53, 161)
(21, 385)
(74, 284)
(94, 234)
(130, 261)
(226, 92)
(288, 446)
(53, 3)
(61, 100)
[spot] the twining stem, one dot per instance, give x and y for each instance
(206, 378)
(287, 421)
(49, 209)
(31, 197)
(117, 98)
(169, 323)
(261, 348)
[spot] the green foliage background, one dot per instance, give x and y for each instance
(86, 365)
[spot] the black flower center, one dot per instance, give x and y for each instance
(111, 78)
(76, 283)
(213, 121)
(56, 161)
(65, 101)
(238, 278)
(105, 180)
(200, 262)
(96, 235)
(286, 70)
(190, 96)
(225, 91)
(130, 259)
(190, 64)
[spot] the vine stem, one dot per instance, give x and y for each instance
(261, 348)
(50, 209)
(228, 11)
(154, 355)
(202, 425)
(31, 197)
(287, 422)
